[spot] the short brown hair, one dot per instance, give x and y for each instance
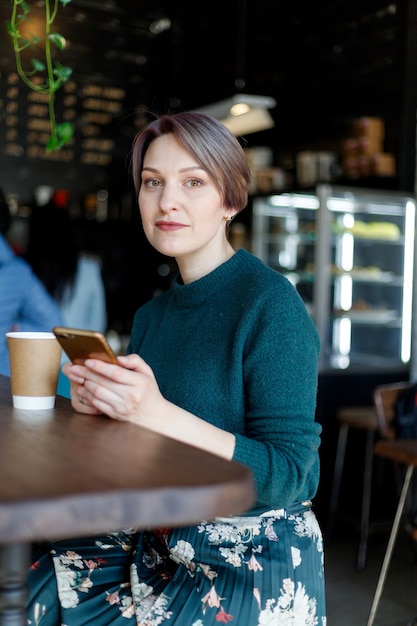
(212, 145)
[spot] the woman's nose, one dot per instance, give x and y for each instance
(169, 198)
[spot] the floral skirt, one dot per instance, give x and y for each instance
(247, 571)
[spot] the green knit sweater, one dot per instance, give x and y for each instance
(238, 348)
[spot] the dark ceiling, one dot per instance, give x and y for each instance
(324, 62)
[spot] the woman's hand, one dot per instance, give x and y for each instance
(127, 391)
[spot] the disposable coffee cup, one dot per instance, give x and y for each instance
(35, 361)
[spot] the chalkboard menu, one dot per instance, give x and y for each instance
(27, 122)
(100, 98)
(92, 109)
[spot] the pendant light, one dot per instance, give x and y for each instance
(243, 113)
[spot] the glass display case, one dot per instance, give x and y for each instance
(350, 254)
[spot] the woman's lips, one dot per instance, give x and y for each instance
(169, 226)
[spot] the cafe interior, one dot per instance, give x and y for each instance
(330, 96)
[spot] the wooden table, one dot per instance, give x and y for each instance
(63, 474)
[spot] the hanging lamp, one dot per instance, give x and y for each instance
(243, 113)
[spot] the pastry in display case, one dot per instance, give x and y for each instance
(350, 254)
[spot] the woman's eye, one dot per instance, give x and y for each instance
(151, 182)
(194, 182)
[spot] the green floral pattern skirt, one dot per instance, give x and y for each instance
(247, 571)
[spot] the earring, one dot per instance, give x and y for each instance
(227, 218)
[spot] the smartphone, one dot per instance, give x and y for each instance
(80, 345)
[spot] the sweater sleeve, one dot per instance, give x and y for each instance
(281, 440)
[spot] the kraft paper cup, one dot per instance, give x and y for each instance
(35, 361)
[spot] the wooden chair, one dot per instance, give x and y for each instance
(384, 399)
(401, 451)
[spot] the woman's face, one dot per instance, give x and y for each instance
(181, 208)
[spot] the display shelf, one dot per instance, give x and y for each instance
(350, 254)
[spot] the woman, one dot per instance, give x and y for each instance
(227, 361)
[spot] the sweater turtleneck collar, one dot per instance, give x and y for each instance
(205, 287)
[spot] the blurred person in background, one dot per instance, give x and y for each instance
(72, 277)
(25, 303)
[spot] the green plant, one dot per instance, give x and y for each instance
(45, 76)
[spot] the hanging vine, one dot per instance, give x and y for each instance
(45, 75)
